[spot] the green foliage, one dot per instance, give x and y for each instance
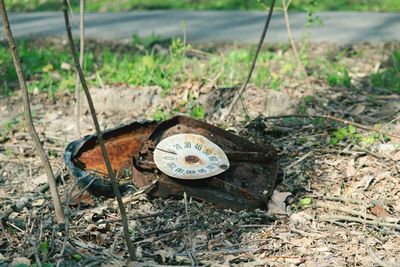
(198, 112)
(343, 133)
(389, 76)
(339, 76)
(41, 67)
(115, 6)
(305, 201)
(350, 133)
(77, 257)
(43, 247)
(312, 19)
(160, 115)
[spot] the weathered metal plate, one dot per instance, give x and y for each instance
(247, 184)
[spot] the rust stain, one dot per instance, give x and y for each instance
(120, 150)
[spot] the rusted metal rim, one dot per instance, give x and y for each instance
(96, 185)
(247, 184)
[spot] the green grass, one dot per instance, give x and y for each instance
(151, 61)
(126, 5)
(49, 68)
(389, 76)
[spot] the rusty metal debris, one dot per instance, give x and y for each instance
(246, 181)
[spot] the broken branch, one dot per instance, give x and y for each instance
(253, 64)
(350, 211)
(333, 218)
(60, 217)
(99, 135)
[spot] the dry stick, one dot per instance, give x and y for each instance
(99, 135)
(290, 35)
(60, 217)
(81, 54)
(332, 118)
(350, 211)
(253, 64)
(333, 218)
(35, 252)
(299, 160)
(191, 252)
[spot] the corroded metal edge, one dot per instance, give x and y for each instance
(94, 183)
(223, 190)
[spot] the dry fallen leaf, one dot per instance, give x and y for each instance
(78, 197)
(84, 198)
(378, 211)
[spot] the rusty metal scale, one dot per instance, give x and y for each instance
(183, 155)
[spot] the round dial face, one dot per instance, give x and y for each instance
(190, 156)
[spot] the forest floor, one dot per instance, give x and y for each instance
(338, 202)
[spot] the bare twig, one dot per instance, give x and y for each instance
(350, 211)
(332, 118)
(28, 118)
(290, 35)
(299, 160)
(99, 135)
(69, 194)
(81, 54)
(191, 249)
(35, 251)
(333, 218)
(253, 64)
(345, 200)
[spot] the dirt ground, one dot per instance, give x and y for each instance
(336, 205)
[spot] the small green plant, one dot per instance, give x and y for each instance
(43, 247)
(350, 133)
(177, 48)
(305, 201)
(343, 134)
(312, 19)
(77, 257)
(339, 76)
(160, 115)
(303, 53)
(198, 112)
(389, 76)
